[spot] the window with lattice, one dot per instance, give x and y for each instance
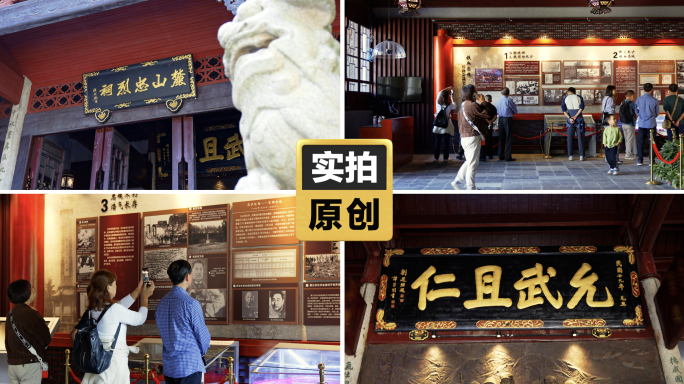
(358, 55)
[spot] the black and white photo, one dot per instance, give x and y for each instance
(680, 66)
(518, 100)
(553, 96)
(530, 100)
(276, 306)
(322, 266)
(529, 87)
(86, 240)
(510, 85)
(213, 301)
(587, 96)
(598, 96)
(208, 237)
(158, 261)
(250, 304)
(170, 229)
(199, 273)
(548, 78)
(551, 67)
(86, 264)
(606, 69)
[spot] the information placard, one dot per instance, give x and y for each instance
(551, 72)
(625, 77)
(489, 79)
(657, 66)
(525, 89)
(521, 68)
(119, 244)
(264, 222)
(86, 249)
(266, 265)
(322, 303)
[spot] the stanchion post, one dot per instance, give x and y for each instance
(681, 159)
(548, 149)
(231, 371)
(652, 182)
(321, 368)
(147, 368)
(68, 368)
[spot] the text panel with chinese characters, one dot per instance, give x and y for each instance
(344, 190)
(139, 84)
(508, 288)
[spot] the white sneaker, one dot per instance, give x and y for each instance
(582, 158)
(610, 172)
(629, 158)
(570, 158)
(455, 184)
(616, 172)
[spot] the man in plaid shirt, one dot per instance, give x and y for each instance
(184, 335)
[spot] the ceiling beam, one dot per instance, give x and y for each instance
(507, 220)
(544, 12)
(11, 84)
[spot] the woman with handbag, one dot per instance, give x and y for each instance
(473, 127)
(102, 293)
(443, 133)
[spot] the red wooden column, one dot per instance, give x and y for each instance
(177, 168)
(443, 62)
(26, 231)
(189, 151)
(371, 273)
(97, 159)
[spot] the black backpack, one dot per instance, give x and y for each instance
(442, 120)
(89, 354)
(626, 113)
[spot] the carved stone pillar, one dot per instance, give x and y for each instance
(670, 359)
(353, 363)
(13, 137)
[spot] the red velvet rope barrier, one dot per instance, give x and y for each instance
(660, 134)
(531, 138)
(139, 378)
(655, 149)
(73, 375)
(155, 379)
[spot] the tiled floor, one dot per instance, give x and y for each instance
(529, 172)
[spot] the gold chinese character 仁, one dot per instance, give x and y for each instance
(234, 147)
(210, 150)
(482, 279)
(141, 85)
(123, 88)
(178, 77)
(586, 285)
(423, 281)
(159, 83)
(533, 290)
(106, 90)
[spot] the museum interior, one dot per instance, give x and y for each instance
(400, 55)
(498, 289)
(270, 302)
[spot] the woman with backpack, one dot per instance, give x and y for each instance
(115, 319)
(443, 127)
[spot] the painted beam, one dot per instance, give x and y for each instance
(11, 84)
(506, 220)
(36, 13)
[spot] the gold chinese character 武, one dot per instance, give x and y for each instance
(159, 83)
(482, 279)
(423, 281)
(141, 85)
(210, 150)
(178, 77)
(586, 285)
(123, 88)
(234, 147)
(533, 290)
(106, 90)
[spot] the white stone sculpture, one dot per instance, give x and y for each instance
(284, 66)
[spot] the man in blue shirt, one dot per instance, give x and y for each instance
(648, 109)
(506, 109)
(184, 335)
(572, 107)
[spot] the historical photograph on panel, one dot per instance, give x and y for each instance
(598, 96)
(158, 261)
(666, 79)
(86, 241)
(525, 88)
(322, 267)
(606, 72)
(250, 304)
(208, 237)
(335, 247)
(276, 307)
(530, 100)
(551, 67)
(680, 66)
(511, 86)
(587, 96)
(582, 72)
(213, 301)
(86, 265)
(517, 99)
(199, 273)
(553, 96)
(169, 230)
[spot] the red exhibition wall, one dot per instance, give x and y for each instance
(24, 238)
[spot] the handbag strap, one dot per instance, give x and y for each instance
(28, 345)
(674, 109)
(116, 336)
(470, 122)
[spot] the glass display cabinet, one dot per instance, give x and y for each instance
(218, 359)
(289, 363)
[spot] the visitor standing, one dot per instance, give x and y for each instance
(443, 135)
(611, 141)
(647, 108)
(674, 108)
(473, 128)
(572, 107)
(492, 112)
(628, 118)
(506, 109)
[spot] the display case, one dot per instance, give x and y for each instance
(289, 363)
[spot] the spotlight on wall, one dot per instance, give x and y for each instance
(434, 335)
(574, 333)
(498, 334)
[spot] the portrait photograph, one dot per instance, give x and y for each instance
(276, 307)
(199, 273)
(250, 304)
(86, 240)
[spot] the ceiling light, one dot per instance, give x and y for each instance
(498, 333)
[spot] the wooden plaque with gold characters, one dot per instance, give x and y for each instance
(490, 288)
